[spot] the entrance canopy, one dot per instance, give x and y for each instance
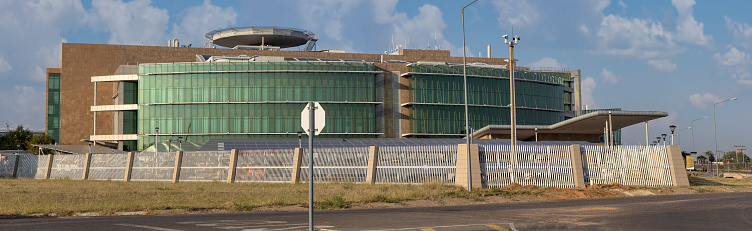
(588, 124)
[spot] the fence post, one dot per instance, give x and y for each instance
(460, 178)
(178, 164)
(233, 166)
(87, 163)
(129, 167)
(373, 162)
(15, 167)
(676, 165)
(297, 160)
(49, 167)
(577, 166)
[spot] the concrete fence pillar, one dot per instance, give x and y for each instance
(373, 162)
(297, 160)
(233, 166)
(676, 165)
(87, 163)
(578, 171)
(15, 167)
(460, 178)
(48, 171)
(128, 167)
(178, 165)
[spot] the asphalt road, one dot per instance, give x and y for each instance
(712, 211)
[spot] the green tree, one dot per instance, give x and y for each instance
(39, 139)
(18, 136)
(709, 154)
(702, 159)
(735, 157)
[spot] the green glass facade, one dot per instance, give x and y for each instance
(53, 105)
(253, 99)
(437, 96)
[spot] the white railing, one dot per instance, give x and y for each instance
(273, 165)
(417, 164)
(627, 165)
(336, 164)
(542, 166)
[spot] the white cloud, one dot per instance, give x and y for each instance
(4, 65)
(737, 63)
(517, 13)
(23, 105)
(328, 16)
(688, 30)
(742, 31)
(131, 23)
(702, 101)
(609, 76)
(639, 38)
(546, 62)
(200, 20)
(622, 4)
(664, 65)
(427, 25)
(588, 85)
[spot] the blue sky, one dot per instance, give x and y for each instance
(676, 56)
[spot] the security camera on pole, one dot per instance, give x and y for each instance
(312, 121)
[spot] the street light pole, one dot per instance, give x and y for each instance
(156, 140)
(467, 119)
(715, 137)
(693, 132)
(180, 142)
(672, 127)
(512, 95)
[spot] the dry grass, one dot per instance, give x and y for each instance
(67, 197)
(20, 197)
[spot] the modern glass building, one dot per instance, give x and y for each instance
(436, 102)
(53, 104)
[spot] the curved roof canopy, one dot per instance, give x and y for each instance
(255, 36)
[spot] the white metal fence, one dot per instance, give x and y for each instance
(542, 166)
(627, 165)
(417, 164)
(336, 165)
(273, 165)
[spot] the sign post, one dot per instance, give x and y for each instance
(312, 124)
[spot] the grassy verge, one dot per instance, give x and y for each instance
(20, 197)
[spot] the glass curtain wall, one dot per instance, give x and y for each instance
(253, 99)
(539, 102)
(53, 106)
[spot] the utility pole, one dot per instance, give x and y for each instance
(740, 148)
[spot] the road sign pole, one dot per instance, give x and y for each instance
(311, 133)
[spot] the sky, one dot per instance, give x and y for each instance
(677, 56)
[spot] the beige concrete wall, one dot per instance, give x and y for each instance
(460, 177)
(676, 163)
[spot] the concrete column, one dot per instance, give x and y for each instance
(373, 162)
(49, 167)
(460, 178)
(233, 166)
(676, 163)
(577, 163)
(15, 167)
(129, 167)
(297, 160)
(87, 163)
(178, 164)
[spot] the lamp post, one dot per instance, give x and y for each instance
(715, 137)
(664, 138)
(678, 133)
(88, 141)
(672, 127)
(156, 139)
(693, 132)
(659, 139)
(512, 95)
(536, 134)
(300, 140)
(467, 119)
(180, 142)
